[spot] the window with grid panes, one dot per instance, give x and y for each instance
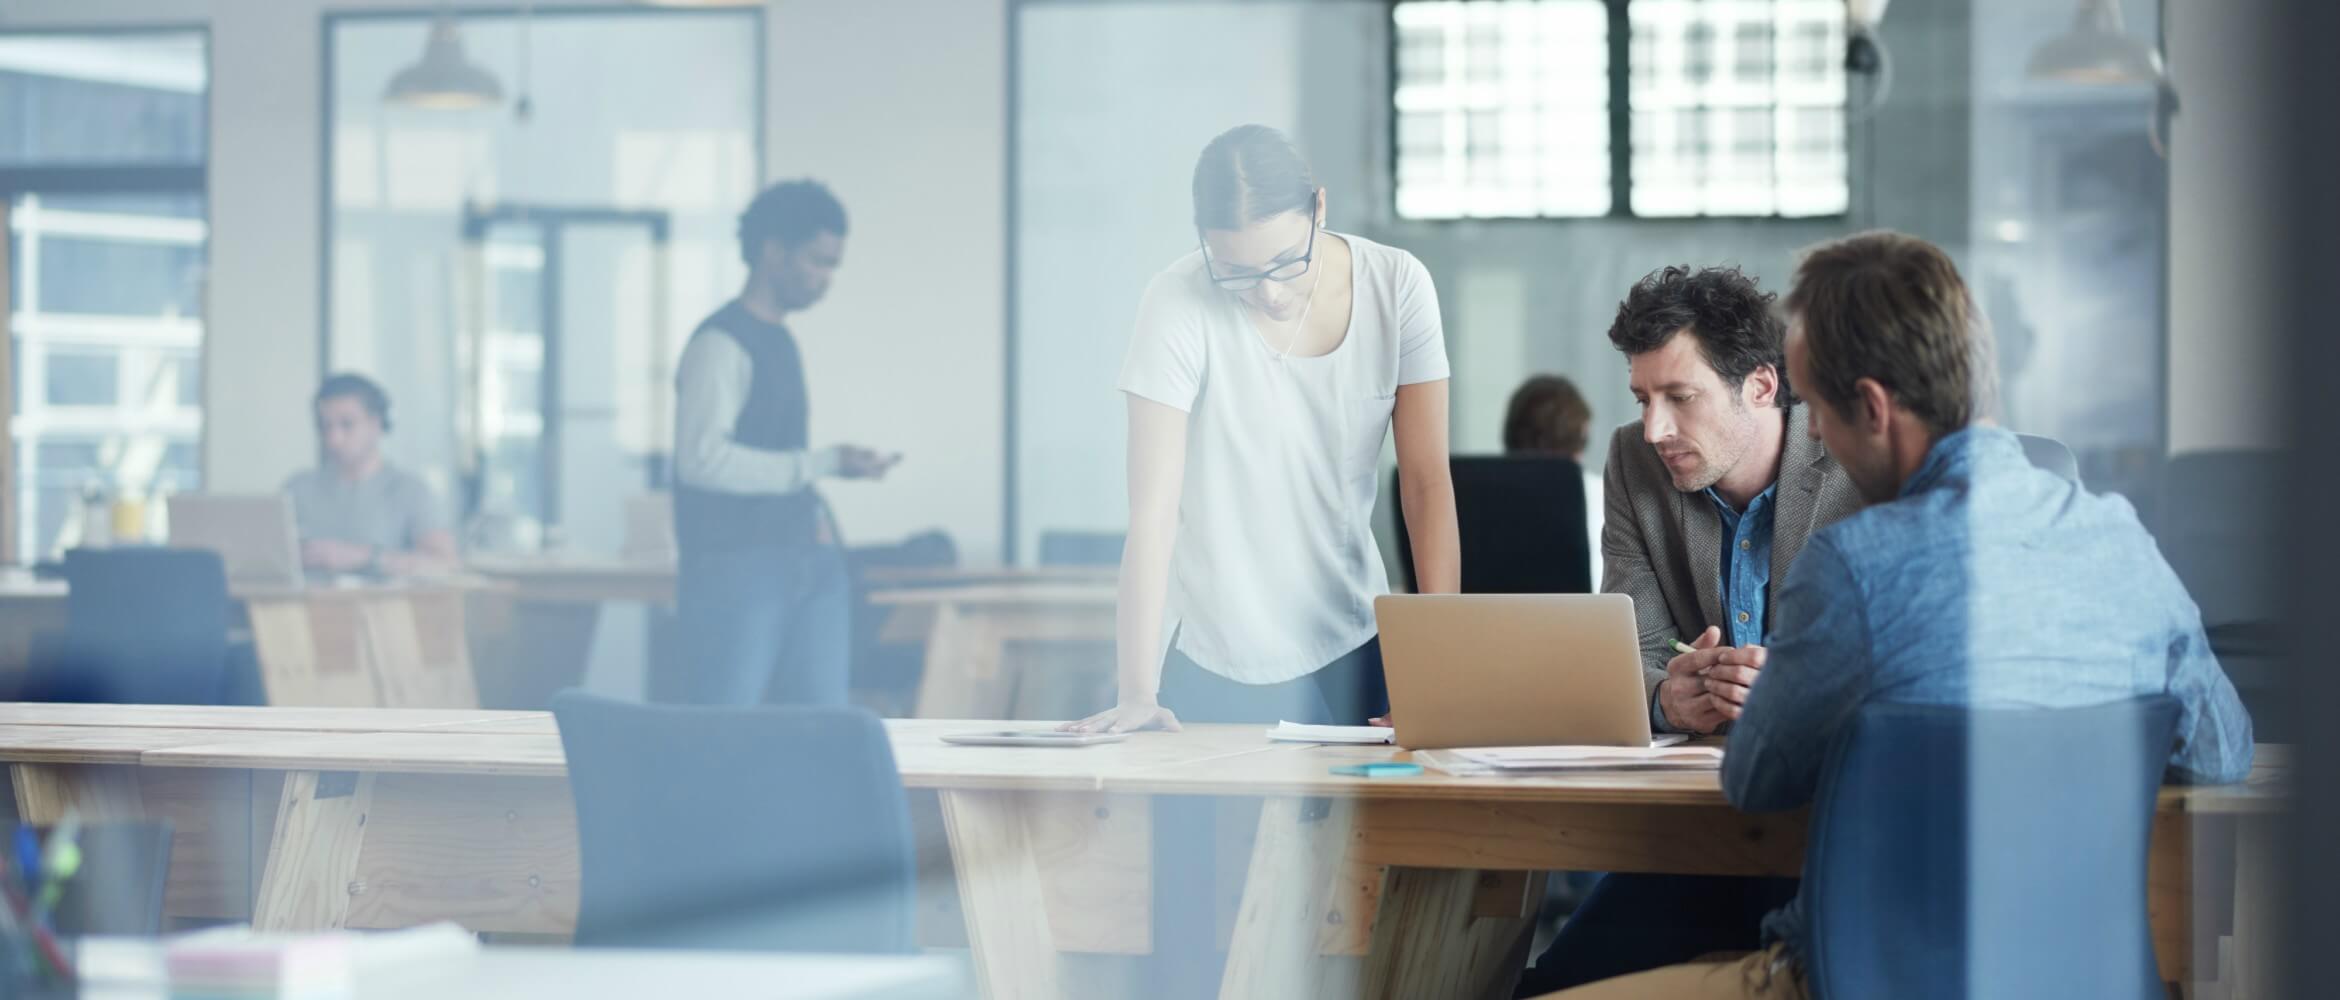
(1503, 108)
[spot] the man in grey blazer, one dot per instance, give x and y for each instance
(1707, 499)
(1671, 506)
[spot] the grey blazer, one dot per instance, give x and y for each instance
(1663, 547)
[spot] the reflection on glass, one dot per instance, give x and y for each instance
(1502, 109)
(102, 99)
(107, 331)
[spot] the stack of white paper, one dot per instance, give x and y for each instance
(1530, 760)
(1295, 732)
(240, 962)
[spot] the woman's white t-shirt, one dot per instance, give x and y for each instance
(1275, 569)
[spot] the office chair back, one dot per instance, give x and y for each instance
(1081, 548)
(2222, 529)
(764, 829)
(2050, 454)
(1522, 526)
(142, 626)
(118, 891)
(1987, 852)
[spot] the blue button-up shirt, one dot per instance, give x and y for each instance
(1987, 582)
(1746, 566)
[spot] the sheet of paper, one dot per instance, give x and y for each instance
(1296, 732)
(1582, 758)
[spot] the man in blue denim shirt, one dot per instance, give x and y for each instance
(1973, 579)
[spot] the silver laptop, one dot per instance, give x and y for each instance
(1490, 670)
(253, 533)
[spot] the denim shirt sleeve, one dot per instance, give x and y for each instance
(2214, 742)
(1814, 679)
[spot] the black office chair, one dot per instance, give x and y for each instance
(1081, 548)
(2222, 528)
(1987, 853)
(1522, 523)
(886, 675)
(118, 890)
(765, 829)
(144, 626)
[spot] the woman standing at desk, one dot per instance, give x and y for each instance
(1266, 370)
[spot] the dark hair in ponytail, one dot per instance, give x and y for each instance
(1249, 173)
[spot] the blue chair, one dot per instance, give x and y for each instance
(143, 626)
(759, 829)
(1987, 853)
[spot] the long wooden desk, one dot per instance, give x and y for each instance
(471, 820)
(971, 672)
(380, 645)
(580, 579)
(541, 625)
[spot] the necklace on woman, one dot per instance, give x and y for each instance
(1305, 308)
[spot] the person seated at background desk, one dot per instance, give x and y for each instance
(357, 512)
(1547, 415)
(1967, 553)
(1707, 500)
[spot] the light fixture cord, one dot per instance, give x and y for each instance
(522, 105)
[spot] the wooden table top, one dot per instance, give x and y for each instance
(1203, 760)
(923, 759)
(111, 745)
(564, 565)
(969, 576)
(23, 589)
(354, 720)
(1038, 593)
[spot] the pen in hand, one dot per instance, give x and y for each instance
(1684, 647)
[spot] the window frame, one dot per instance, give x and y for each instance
(1620, 85)
(105, 177)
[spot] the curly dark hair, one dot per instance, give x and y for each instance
(791, 213)
(1737, 327)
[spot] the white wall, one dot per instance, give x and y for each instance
(1113, 113)
(2224, 386)
(898, 103)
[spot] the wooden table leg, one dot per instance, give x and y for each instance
(2256, 897)
(313, 854)
(1275, 951)
(966, 677)
(1002, 894)
(1439, 933)
(98, 793)
(312, 652)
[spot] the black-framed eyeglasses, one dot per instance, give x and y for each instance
(1280, 273)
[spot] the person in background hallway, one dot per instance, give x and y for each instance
(2016, 586)
(357, 512)
(1708, 499)
(1548, 416)
(1267, 368)
(762, 595)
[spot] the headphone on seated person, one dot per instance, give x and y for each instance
(366, 391)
